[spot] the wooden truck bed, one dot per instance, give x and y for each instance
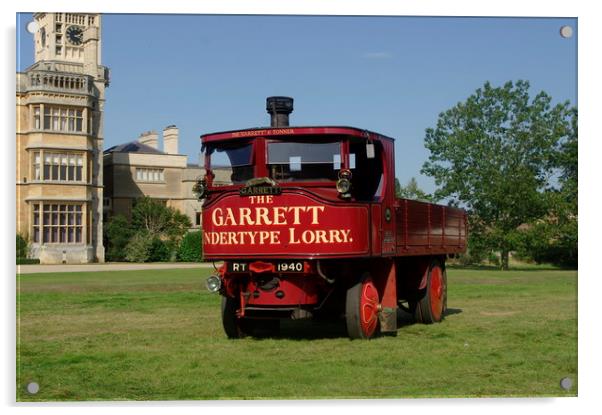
(429, 229)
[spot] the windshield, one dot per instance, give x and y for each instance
(236, 157)
(298, 161)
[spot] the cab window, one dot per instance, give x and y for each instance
(303, 161)
(237, 156)
(368, 180)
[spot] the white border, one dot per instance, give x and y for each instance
(589, 24)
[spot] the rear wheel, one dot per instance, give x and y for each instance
(433, 302)
(361, 309)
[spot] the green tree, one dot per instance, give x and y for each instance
(411, 191)
(397, 188)
(191, 247)
(139, 247)
(164, 225)
(159, 251)
(554, 237)
(22, 247)
(117, 233)
(151, 215)
(159, 220)
(494, 154)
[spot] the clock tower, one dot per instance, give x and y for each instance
(66, 36)
(60, 117)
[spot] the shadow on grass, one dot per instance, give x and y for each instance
(309, 329)
(452, 311)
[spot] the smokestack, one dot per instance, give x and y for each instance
(150, 138)
(170, 139)
(279, 108)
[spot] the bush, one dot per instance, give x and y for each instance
(154, 234)
(117, 233)
(159, 220)
(22, 247)
(191, 248)
(159, 251)
(27, 261)
(139, 247)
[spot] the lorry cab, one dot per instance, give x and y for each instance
(309, 214)
(316, 191)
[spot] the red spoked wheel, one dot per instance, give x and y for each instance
(431, 307)
(362, 309)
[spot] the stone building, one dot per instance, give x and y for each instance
(140, 169)
(60, 102)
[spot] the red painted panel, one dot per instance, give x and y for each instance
(376, 230)
(295, 290)
(286, 225)
(427, 229)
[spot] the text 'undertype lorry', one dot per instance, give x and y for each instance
(308, 225)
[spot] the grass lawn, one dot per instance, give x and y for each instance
(157, 335)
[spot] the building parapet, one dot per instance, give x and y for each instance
(59, 82)
(50, 77)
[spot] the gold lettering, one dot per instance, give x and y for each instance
(279, 215)
(229, 218)
(296, 210)
(335, 234)
(308, 237)
(346, 233)
(263, 236)
(232, 238)
(252, 235)
(262, 213)
(245, 216)
(321, 237)
(216, 217)
(291, 237)
(314, 211)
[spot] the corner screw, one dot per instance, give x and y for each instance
(566, 383)
(33, 388)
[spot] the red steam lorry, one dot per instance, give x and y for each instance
(310, 227)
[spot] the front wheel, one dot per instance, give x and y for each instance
(234, 327)
(433, 302)
(361, 309)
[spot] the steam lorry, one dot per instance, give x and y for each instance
(309, 226)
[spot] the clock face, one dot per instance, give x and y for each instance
(75, 35)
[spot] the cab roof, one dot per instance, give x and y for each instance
(292, 131)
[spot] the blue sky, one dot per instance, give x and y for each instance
(393, 75)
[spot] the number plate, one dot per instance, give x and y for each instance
(281, 266)
(289, 266)
(237, 267)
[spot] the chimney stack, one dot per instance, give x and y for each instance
(170, 139)
(279, 108)
(150, 138)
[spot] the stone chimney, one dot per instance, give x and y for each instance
(150, 138)
(170, 139)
